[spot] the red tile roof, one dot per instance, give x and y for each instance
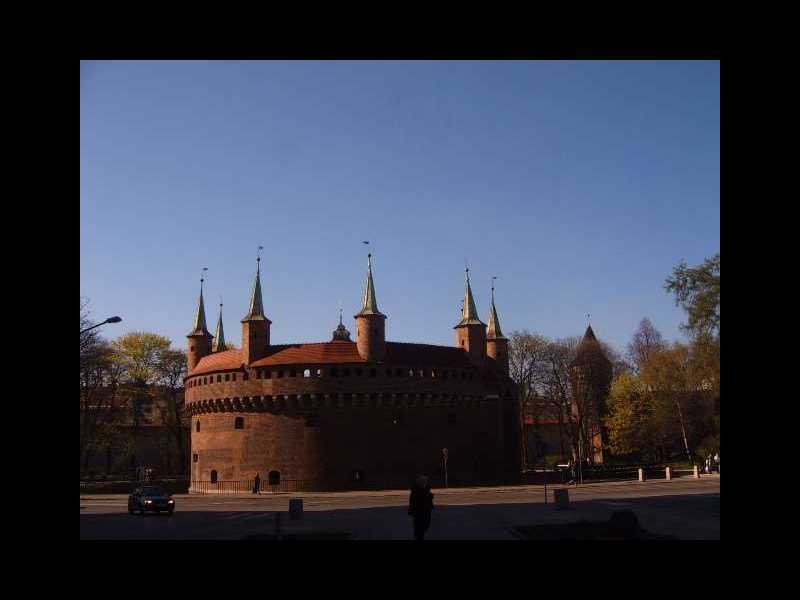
(337, 352)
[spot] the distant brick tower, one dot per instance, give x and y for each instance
(591, 379)
(255, 325)
(199, 337)
(471, 331)
(370, 323)
(496, 342)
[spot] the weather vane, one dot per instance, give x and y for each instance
(202, 277)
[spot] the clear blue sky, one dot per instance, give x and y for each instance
(579, 184)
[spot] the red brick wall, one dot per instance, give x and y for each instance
(357, 429)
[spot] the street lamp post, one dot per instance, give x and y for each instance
(444, 456)
(108, 320)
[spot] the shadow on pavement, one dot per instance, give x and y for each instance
(691, 516)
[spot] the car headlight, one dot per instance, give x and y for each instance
(148, 501)
(171, 502)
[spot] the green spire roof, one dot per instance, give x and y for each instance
(219, 339)
(469, 314)
(256, 312)
(369, 304)
(200, 316)
(494, 332)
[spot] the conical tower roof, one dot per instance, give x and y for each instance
(469, 314)
(341, 333)
(494, 332)
(200, 316)
(219, 339)
(589, 349)
(256, 312)
(369, 305)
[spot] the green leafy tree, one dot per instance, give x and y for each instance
(696, 289)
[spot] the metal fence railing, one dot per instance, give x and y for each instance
(245, 486)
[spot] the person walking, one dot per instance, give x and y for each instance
(716, 462)
(420, 505)
(256, 484)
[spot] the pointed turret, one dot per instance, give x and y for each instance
(470, 330)
(369, 305)
(496, 342)
(199, 337)
(469, 314)
(370, 322)
(341, 333)
(255, 325)
(219, 339)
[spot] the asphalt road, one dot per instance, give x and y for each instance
(685, 508)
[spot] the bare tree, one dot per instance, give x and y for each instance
(172, 370)
(646, 340)
(526, 354)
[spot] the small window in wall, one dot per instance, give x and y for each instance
(274, 477)
(258, 373)
(292, 373)
(213, 476)
(227, 377)
(399, 372)
(267, 374)
(307, 373)
(346, 373)
(411, 372)
(245, 376)
(197, 425)
(312, 421)
(205, 380)
(334, 372)
(191, 348)
(359, 372)
(319, 372)
(238, 423)
(280, 374)
(219, 378)
(195, 458)
(233, 376)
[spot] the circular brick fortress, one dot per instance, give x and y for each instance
(344, 414)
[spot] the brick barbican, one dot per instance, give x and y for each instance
(347, 415)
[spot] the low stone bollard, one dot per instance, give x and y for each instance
(696, 472)
(668, 472)
(641, 474)
(561, 498)
(296, 508)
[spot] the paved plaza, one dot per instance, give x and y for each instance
(685, 508)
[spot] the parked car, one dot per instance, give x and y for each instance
(152, 498)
